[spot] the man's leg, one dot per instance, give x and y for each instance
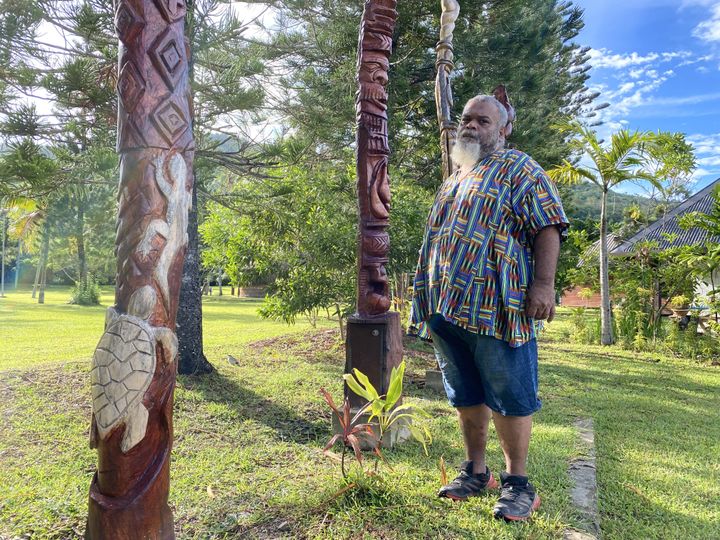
(518, 499)
(514, 434)
(474, 424)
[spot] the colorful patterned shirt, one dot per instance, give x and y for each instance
(476, 261)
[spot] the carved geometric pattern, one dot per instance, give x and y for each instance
(127, 22)
(172, 10)
(131, 86)
(376, 244)
(169, 119)
(129, 135)
(166, 54)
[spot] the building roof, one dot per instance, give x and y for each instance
(658, 231)
(592, 254)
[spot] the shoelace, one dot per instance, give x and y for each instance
(510, 492)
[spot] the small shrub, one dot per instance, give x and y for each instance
(86, 293)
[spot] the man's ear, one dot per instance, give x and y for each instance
(507, 130)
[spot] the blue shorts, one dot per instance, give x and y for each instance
(479, 369)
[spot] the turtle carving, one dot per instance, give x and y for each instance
(123, 367)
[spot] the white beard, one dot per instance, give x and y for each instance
(466, 153)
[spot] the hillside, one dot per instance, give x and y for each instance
(585, 203)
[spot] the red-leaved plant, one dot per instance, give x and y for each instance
(352, 431)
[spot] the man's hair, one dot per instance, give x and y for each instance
(483, 98)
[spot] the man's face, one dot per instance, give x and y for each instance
(479, 134)
(480, 123)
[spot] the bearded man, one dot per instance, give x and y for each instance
(485, 276)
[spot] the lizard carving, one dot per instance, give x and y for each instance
(171, 177)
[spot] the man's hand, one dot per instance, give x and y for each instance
(540, 301)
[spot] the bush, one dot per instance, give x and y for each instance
(586, 330)
(86, 293)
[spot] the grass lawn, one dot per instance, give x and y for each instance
(247, 459)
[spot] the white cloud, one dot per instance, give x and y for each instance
(709, 30)
(601, 58)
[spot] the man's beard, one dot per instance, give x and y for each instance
(467, 152)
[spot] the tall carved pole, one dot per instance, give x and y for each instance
(443, 91)
(134, 366)
(374, 339)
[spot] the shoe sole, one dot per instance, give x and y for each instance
(535, 506)
(492, 484)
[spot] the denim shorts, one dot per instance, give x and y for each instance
(479, 369)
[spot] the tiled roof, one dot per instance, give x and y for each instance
(657, 232)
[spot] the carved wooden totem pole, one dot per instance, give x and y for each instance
(134, 365)
(443, 91)
(374, 338)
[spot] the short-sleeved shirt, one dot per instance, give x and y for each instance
(476, 260)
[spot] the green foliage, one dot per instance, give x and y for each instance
(86, 292)
(385, 410)
(680, 301)
(626, 156)
(586, 327)
(532, 52)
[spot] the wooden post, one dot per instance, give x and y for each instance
(443, 91)
(134, 366)
(374, 335)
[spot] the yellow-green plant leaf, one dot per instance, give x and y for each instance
(419, 435)
(363, 380)
(396, 385)
(355, 387)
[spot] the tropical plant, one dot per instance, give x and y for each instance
(384, 409)
(628, 156)
(352, 433)
(680, 301)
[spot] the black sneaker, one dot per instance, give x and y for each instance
(468, 484)
(518, 499)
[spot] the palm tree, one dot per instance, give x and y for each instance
(637, 155)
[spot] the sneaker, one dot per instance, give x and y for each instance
(518, 499)
(468, 484)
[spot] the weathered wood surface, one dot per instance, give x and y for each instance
(375, 46)
(129, 492)
(443, 90)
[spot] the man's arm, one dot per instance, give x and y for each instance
(540, 299)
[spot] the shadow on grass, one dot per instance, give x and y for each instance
(249, 405)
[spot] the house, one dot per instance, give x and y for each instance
(666, 233)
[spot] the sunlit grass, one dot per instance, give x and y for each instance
(32, 333)
(247, 459)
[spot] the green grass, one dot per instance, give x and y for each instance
(32, 333)
(247, 459)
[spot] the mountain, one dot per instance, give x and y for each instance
(584, 203)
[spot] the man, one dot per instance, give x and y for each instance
(485, 275)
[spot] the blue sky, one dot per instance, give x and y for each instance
(657, 62)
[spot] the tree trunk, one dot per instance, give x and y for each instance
(18, 264)
(42, 265)
(2, 266)
(80, 240)
(38, 269)
(189, 318)
(132, 426)
(219, 282)
(606, 336)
